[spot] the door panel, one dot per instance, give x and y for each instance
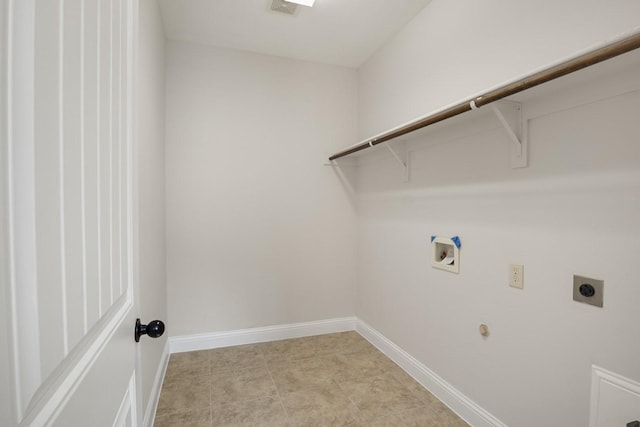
(97, 398)
(615, 400)
(69, 209)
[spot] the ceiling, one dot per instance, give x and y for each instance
(339, 32)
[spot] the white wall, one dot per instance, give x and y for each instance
(575, 209)
(259, 232)
(455, 49)
(151, 187)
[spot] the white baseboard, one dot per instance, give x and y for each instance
(466, 408)
(179, 344)
(154, 396)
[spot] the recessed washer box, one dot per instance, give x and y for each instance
(445, 254)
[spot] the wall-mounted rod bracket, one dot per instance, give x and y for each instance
(403, 160)
(623, 44)
(509, 114)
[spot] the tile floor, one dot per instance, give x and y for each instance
(326, 380)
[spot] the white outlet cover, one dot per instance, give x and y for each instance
(516, 276)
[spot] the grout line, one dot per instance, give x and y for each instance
(268, 365)
(286, 414)
(210, 369)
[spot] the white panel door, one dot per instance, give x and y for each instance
(615, 400)
(67, 174)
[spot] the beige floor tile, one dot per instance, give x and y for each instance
(190, 357)
(382, 409)
(267, 412)
(352, 366)
(384, 362)
(240, 385)
(316, 417)
(418, 417)
(406, 380)
(323, 406)
(181, 370)
(300, 374)
(286, 350)
(453, 421)
(196, 418)
(184, 394)
(194, 363)
(448, 417)
(328, 380)
(340, 343)
(239, 357)
(383, 393)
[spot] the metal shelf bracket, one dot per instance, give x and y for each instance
(402, 158)
(509, 113)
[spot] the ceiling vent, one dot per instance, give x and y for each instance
(284, 6)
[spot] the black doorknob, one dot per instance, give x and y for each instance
(154, 329)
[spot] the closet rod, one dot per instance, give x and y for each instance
(583, 61)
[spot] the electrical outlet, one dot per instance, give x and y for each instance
(588, 290)
(516, 276)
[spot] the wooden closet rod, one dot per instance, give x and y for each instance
(594, 57)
